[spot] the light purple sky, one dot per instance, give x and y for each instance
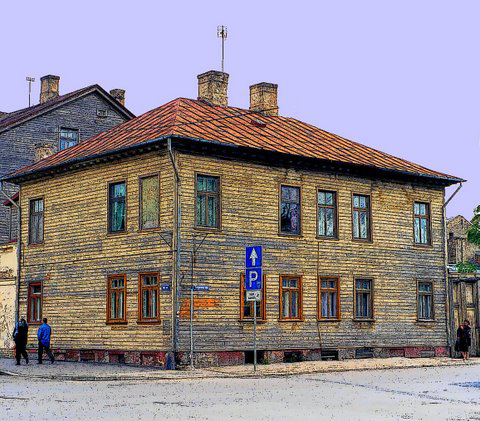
(402, 77)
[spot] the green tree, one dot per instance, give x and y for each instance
(473, 233)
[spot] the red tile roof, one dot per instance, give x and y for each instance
(10, 120)
(235, 126)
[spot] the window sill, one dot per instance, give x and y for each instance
(117, 233)
(34, 323)
(327, 238)
(364, 320)
(423, 246)
(425, 321)
(113, 323)
(290, 320)
(359, 240)
(284, 234)
(329, 320)
(149, 322)
(36, 244)
(216, 230)
(251, 321)
(147, 230)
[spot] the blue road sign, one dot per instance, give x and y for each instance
(253, 278)
(253, 257)
(201, 288)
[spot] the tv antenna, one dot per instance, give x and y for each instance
(222, 33)
(29, 80)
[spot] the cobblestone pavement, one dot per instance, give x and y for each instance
(433, 393)
(96, 371)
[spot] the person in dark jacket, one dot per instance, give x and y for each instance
(44, 332)
(464, 339)
(20, 336)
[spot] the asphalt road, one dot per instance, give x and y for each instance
(441, 393)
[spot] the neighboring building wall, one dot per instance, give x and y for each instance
(78, 255)
(8, 276)
(20, 145)
(459, 249)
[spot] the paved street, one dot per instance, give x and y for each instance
(436, 393)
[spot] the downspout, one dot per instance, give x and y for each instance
(447, 281)
(176, 237)
(19, 254)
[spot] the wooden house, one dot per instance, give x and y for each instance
(117, 230)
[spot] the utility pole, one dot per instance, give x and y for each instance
(222, 33)
(29, 80)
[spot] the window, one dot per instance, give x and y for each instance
(36, 221)
(425, 301)
(35, 302)
(290, 221)
(329, 298)
(246, 307)
(116, 207)
(290, 298)
(149, 310)
(421, 226)
(68, 138)
(363, 299)
(208, 201)
(116, 298)
(327, 214)
(361, 217)
(149, 202)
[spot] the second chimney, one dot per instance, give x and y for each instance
(212, 87)
(119, 95)
(263, 98)
(50, 88)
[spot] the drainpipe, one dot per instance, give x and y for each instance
(19, 254)
(176, 236)
(447, 281)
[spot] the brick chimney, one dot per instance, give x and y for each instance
(263, 98)
(119, 95)
(49, 88)
(212, 87)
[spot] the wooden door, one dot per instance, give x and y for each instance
(466, 306)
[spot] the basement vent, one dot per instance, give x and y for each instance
(329, 355)
(293, 357)
(364, 353)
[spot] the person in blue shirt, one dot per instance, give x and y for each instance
(43, 334)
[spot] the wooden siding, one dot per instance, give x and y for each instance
(78, 254)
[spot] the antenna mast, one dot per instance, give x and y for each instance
(222, 33)
(29, 80)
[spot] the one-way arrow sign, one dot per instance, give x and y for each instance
(253, 257)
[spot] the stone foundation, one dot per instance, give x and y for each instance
(225, 358)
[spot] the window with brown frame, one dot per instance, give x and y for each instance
(116, 298)
(328, 298)
(35, 229)
(425, 301)
(149, 202)
(246, 307)
(327, 214)
(290, 210)
(208, 201)
(290, 297)
(149, 293)
(34, 302)
(363, 299)
(117, 213)
(361, 217)
(421, 226)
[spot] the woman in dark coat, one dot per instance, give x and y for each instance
(464, 339)
(20, 336)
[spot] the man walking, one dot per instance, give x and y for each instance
(20, 336)
(44, 333)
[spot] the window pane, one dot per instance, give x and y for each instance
(150, 202)
(416, 208)
(120, 304)
(324, 284)
(294, 304)
(290, 218)
(321, 222)
(363, 201)
(285, 304)
(291, 194)
(293, 283)
(212, 211)
(324, 304)
(321, 198)
(417, 230)
(423, 231)
(332, 284)
(356, 231)
(356, 201)
(113, 305)
(363, 225)
(145, 303)
(201, 184)
(201, 210)
(329, 215)
(333, 304)
(212, 184)
(329, 198)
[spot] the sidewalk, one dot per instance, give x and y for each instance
(75, 371)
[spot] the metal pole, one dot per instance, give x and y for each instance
(255, 335)
(223, 51)
(191, 327)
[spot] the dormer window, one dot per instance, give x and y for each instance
(68, 138)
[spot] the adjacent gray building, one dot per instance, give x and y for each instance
(56, 123)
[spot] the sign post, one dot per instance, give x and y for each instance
(253, 288)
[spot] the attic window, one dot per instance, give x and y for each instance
(257, 123)
(101, 112)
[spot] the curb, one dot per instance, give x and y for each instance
(216, 373)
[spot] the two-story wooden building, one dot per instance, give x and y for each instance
(118, 229)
